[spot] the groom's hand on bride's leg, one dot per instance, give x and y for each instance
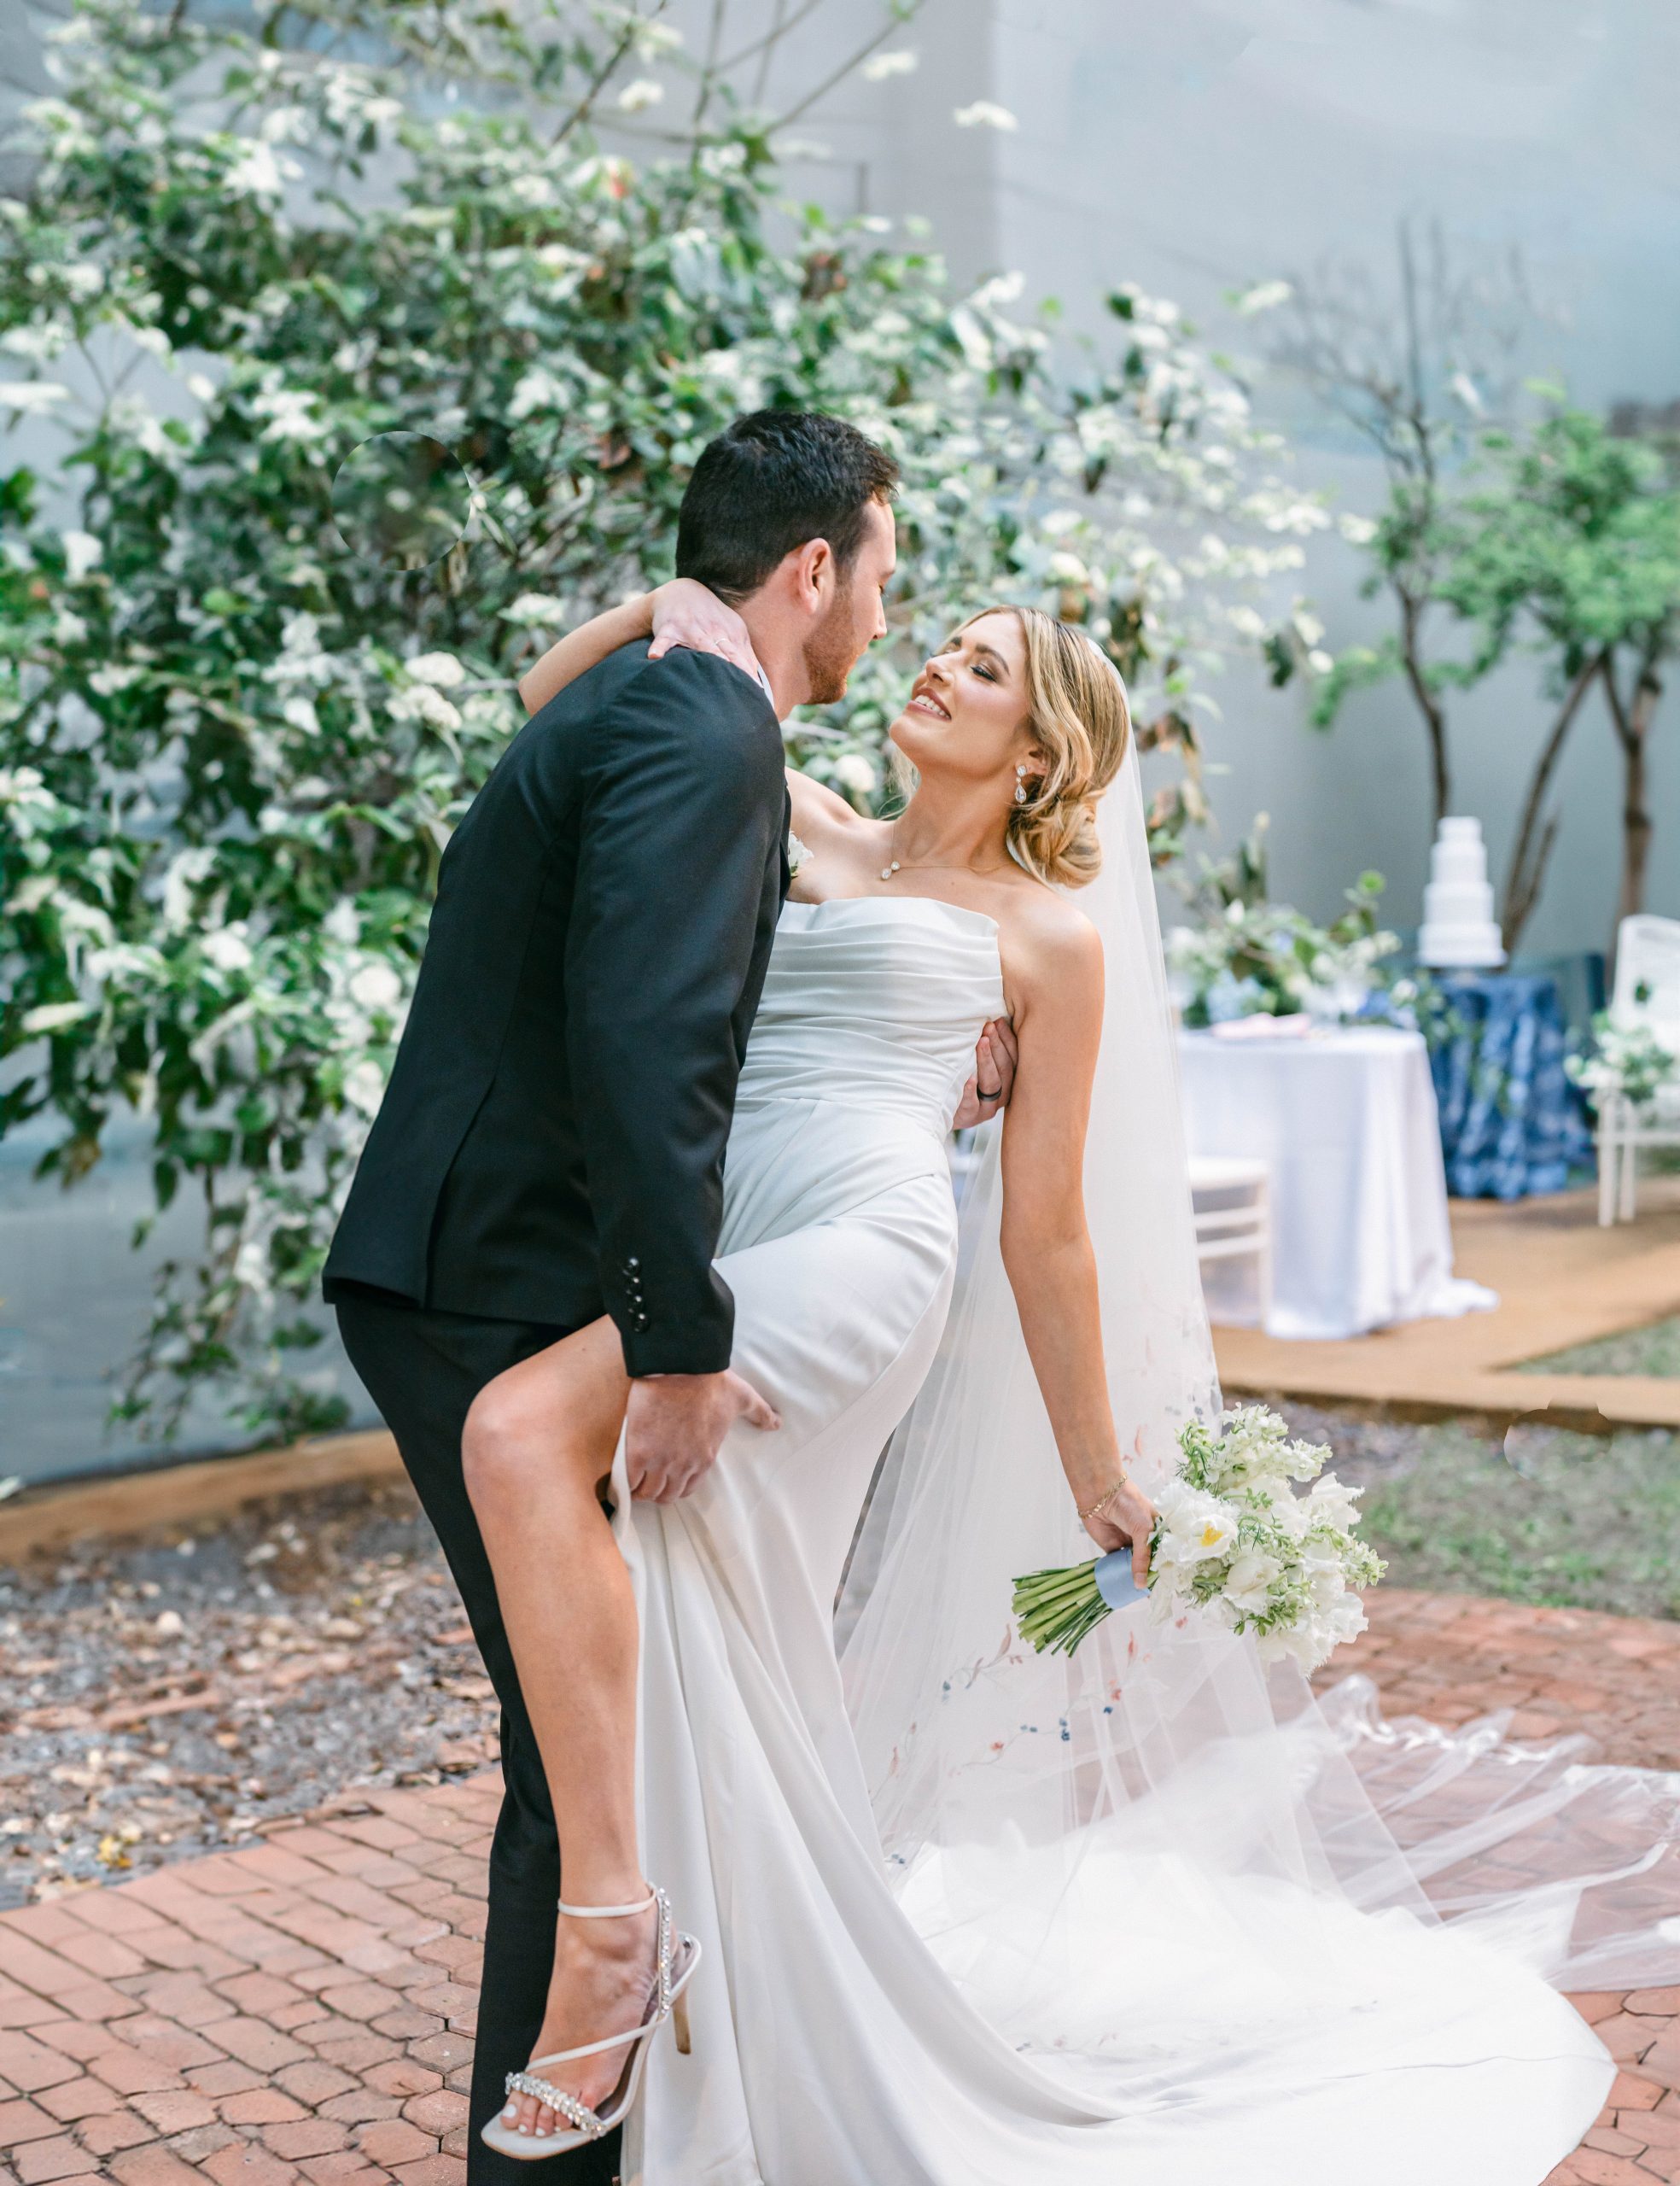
(675, 1425)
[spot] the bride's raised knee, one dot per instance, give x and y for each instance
(506, 1444)
(545, 1426)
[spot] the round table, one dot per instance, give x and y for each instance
(1346, 1121)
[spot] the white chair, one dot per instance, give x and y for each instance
(1239, 1226)
(1648, 994)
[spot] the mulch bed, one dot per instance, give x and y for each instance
(174, 1695)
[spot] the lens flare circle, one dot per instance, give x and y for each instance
(401, 499)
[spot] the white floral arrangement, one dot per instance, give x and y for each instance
(1233, 1542)
(1629, 1062)
(1268, 960)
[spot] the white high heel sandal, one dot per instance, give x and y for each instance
(676, 1957)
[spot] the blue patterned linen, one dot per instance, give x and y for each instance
(1512, 1124)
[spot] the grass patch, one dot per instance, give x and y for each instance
(1571, 1521)
(1653, 1349)
(1587, 1522)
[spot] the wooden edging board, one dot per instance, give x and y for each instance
(180, 1494)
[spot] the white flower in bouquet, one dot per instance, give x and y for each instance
(1232, 1542)
(1331, 1502)
(1195, 1526)
(1305, 1644)
(1250, 1580)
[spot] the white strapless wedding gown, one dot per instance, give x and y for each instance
(1283, 2040)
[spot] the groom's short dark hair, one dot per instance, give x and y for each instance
(766, 484)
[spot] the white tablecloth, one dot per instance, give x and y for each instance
(1346, 1122)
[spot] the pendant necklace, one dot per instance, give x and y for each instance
(892, 866)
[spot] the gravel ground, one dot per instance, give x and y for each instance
(175, 1695)
(170, 1696)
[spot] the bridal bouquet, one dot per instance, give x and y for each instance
(1232, 1539)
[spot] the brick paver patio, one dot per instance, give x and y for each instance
(1453, 1657)
(302, 2010)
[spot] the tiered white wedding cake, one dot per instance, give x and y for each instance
(1459, 930)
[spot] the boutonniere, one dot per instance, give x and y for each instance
(797, 855)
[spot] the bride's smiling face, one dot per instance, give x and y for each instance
(968, 713)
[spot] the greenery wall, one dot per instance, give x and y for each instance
(234, 737)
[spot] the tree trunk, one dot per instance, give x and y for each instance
(1434, 720)
(1526, 875)
(1633, 722)
(1637, 826)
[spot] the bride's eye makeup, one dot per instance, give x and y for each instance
(985, 662)
(990, 664)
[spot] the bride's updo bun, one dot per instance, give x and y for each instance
(1080, 722)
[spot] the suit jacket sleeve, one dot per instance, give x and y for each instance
(683, 800)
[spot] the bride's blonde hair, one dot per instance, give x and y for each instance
(1079, 720)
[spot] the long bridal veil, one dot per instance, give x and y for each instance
(1160, 1819)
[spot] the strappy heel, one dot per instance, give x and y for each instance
(676, 1957)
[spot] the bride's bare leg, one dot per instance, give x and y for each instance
(538, 1445)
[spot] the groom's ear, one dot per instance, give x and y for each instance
(812, 571)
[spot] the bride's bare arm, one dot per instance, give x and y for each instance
(1057, 972)
(585, 648)
(680, 613)
(817, 809)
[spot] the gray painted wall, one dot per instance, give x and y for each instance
(1198, 148)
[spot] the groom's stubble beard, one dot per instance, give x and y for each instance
(833, 649)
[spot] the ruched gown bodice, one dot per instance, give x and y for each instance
(831, 2046)
(857, 1057)
(875, 1005)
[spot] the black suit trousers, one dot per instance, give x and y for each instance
(423, 1369)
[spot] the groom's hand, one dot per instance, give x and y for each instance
(675, 1424)
(986, 1093)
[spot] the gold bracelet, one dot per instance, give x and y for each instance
(1103, 1502)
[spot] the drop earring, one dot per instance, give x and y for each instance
(1020, 785)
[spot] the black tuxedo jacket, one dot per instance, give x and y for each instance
(551, 1144)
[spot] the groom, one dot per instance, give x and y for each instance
(550, 1145)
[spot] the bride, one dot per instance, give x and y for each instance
(951, 1912)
